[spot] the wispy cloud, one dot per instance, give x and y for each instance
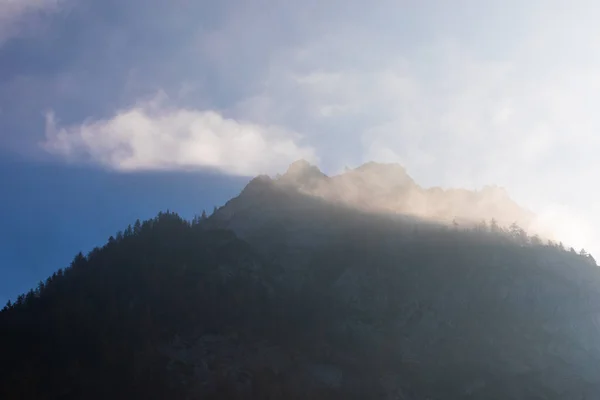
(152, 136)
(456, 116)
(14, 15)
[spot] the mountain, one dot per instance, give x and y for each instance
(388, 188)
(382, 191)
(309, 286)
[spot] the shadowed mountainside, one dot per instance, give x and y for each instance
(282, 293)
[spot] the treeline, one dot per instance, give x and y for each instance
(517, 235)
(97, 322)
(137, 230)
(484, 230)
(96, 327)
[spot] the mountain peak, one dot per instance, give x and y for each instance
(301, 171)
(256, 186)
(387, 187)
(300, 166)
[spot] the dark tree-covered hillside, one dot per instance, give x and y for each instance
(374, 307)
(93, 329)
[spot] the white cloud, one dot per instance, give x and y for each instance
(13, 14)
(151, 136)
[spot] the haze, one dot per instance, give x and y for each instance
(462, 94)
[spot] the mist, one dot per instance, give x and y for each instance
(389, 189)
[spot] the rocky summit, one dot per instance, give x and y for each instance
(308, 286)
(388, 188)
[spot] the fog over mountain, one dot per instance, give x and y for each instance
(361, 285)
(387, 188)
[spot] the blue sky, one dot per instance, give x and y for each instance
(120, 100)
(51, 211)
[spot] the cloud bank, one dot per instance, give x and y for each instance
(151, 136)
